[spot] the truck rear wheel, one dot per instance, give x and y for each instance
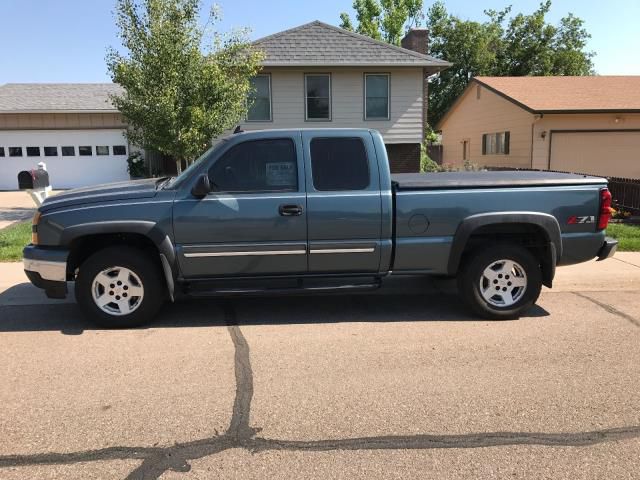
(500, 282)
(119, 287)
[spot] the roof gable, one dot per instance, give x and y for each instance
(320, 44)
(52, 97)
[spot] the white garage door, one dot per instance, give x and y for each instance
(612, 154)
(74, 158)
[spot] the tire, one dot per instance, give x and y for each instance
(515, 285)
(125, 277)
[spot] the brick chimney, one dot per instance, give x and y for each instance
(416, 39)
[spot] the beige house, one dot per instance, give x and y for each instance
(577, 124)
(320, 76)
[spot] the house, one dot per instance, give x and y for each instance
(73, 128)
(312, 75)
(577, 124)
(318, 75)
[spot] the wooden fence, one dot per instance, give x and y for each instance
(624, 191)
(435, 153)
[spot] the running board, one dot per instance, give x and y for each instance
(230, 292)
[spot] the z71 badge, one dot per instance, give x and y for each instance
(574, 219)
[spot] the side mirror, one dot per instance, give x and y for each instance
(202, 186)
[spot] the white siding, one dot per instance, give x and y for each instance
(347, 102)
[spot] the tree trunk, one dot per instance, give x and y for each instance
(179, 166)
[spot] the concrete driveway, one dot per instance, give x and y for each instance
(15, 207)
(400, 384)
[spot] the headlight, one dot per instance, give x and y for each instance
(34, 227)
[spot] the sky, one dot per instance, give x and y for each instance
(66, 40)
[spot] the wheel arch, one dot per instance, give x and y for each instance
(542, 230)
(87, 238)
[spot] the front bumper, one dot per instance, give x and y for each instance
(608, 248)
(46, 268)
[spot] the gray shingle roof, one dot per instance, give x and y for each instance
(51, 97)
(320, 44)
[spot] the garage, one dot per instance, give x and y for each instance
(72, 127)
(74, 158)
(614, 153)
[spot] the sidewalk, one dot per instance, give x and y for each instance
(620, 273)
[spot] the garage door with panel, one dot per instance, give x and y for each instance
(607, 153)
(74, 158)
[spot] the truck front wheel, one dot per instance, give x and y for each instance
(500, 282)
(119, 287)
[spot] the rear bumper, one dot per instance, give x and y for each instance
(47, 269)
(608, 248)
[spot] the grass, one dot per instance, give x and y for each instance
(628, 236)
(12, 240)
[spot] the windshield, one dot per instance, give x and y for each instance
(175, 182)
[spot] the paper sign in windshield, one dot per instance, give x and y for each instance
(281, 174)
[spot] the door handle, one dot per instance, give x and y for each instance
(290, 210)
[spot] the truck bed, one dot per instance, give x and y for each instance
(486, 179)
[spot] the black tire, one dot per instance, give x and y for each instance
(138, 262)
(472, 273)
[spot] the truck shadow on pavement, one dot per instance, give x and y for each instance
(155, 461)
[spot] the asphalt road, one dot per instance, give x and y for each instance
(394, 385)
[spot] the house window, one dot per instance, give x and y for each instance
(317, 89)
(15, 151)
(495, 143)
(85, 151)
(260, 99)
(376, 96)
(119, 150)
(33, 151)
(68, 151)
(102, 150)
(339, 164)
(50, 151)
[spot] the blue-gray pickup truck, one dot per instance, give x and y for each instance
(290, 211)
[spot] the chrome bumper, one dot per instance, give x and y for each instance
(48, 270)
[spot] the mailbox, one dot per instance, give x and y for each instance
(33, 179)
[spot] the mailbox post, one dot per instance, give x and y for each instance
(35, 183)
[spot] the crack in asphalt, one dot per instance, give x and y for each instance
(158, 460)
(610, 309)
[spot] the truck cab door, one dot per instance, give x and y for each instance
(344, 207)
(255, 221)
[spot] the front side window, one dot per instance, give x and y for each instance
(259, 100)
(376, 96)
(257, 166)
(15, 151)
(495, 143)
(339, 164)
(317, 89)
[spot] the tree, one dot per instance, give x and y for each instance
(385, 20)
(500, 45)
(183, 84)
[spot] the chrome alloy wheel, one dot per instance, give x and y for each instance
(117, 291)
(503, 283)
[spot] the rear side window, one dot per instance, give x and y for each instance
(257, 166)
(339, 164)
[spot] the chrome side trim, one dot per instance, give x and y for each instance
(55, 271)
(343, 250)
(245, 254)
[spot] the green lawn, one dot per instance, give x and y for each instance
(12, 240)
(628, 236)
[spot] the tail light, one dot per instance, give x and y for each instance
(605, 208)
(34, 227)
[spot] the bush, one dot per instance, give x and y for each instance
(426, 164)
